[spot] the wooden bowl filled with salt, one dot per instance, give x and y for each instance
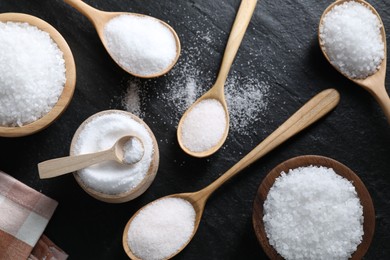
(38, 74)
(313, 207)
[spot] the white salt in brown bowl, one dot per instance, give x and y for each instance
(303, 161)
(70, 83)
(132, 192)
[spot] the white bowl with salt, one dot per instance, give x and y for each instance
(313, 207)
(111, 181)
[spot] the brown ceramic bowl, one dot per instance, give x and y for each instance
(141, 187)
(70, 83)
(307, 160)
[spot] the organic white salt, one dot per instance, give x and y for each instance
(313, 213)
(101, 133)
(133, 151)
(351, 36)
(32, 73)
(204, 125)
(141, 44)
(160, 229)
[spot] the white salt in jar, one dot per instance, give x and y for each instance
(111, 181)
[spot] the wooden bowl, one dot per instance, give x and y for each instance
(70, 83)
(140, 188)
(307, 160)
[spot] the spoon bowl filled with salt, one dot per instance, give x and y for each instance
(352, 38)
(142, 45)
(163, 228)
(38, 74)
(313, 207)
(204, 127)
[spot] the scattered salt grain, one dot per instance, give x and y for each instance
(313, 213)
(351, 36)
(204, 125)
(140, 44)
(133, 151)
(162, 228)
(101, 133)
(32, 73)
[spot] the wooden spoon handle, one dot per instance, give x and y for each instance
(91, 13)
(383, 99)
(60, 166)
(240, 24)
(313, 110)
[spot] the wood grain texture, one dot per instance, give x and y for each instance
(70, 84)
(307, 160)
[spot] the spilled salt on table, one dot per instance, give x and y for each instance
(32, 73)
(204, 125)
(351, 36)
(140, 44)
(133, 151)
(101, 133)
(161, 228)
(313, 213)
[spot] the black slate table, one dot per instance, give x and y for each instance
(283, 35)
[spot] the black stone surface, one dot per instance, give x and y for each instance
(283, 35)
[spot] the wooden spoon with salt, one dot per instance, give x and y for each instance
(60, 166)
(374, 84)
(313, 110)
(100, 18)
(216, 92)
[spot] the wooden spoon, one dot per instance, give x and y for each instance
(303, 161)
(216, 92)
(313, 110)
(100, 18)
(63, 165)
(70, 74)
(374, 84)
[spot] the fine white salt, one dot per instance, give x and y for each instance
(140, 44)
(247, 96)
(204, 125)
(32, 73)
(160, 229)
(101, 133)
(133, 151)
(351, 36)
(313, 213)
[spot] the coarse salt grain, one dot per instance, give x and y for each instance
(133, 151)
(140, 44)
(32, 73)
(313, 213)
(101, 133)
(351, 36)
(204, 126)
(162, 228)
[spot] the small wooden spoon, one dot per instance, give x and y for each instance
(304, 161)
(374, 84)
(313, 110)
(216, 92)
(63, 165)
(100, 18)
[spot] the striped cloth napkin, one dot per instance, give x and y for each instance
(24, 214)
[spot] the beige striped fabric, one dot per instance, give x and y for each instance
(24, 215)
